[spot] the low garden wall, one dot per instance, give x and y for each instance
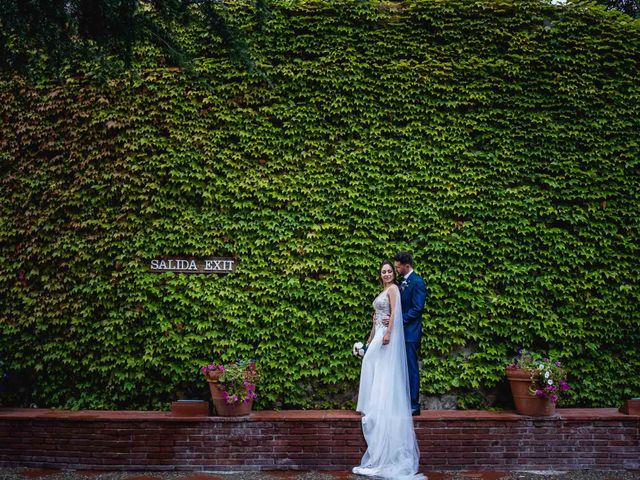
(601, 439)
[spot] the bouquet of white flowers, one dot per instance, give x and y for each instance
(359, 349)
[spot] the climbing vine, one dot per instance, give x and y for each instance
(496, 140)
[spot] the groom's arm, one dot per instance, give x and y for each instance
(416, 308)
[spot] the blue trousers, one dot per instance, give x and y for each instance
(414, 375)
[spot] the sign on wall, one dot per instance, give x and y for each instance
(193, 265)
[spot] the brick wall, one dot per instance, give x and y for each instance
(319, 440)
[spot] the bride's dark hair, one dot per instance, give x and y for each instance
(382, 264)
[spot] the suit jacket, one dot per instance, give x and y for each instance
(413, 297)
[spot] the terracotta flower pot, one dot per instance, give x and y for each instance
(526, 402)
(214, 375)
(224, 409)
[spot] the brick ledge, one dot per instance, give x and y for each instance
(574, 439)
(575, 414)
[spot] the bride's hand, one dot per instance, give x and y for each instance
(386, 338)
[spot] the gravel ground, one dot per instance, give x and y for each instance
(31, 474)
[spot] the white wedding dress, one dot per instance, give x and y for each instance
(384, 400)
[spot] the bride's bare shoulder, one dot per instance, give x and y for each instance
(393, 288)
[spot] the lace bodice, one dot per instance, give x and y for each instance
(381, 307)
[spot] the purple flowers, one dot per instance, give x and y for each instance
(236, 381)
(211, 368)
(548, 377)
(250, 395)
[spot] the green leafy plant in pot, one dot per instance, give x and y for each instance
(537, 383)
(232, 386)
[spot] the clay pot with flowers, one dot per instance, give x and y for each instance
(537, 383)
(232, 386)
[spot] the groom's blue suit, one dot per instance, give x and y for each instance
(413, 294)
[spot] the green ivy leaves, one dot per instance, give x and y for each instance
(496, 141)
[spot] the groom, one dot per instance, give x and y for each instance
(413, 294)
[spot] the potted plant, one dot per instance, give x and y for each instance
(537, 382)
(232, 386)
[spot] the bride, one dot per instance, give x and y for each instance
(384, 400)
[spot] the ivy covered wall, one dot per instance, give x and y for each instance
(496, 140)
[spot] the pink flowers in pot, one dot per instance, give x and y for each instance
(548, 378)
(237, 380)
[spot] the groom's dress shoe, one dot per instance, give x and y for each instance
(415, 413)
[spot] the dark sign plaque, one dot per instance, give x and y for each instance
(193, 265)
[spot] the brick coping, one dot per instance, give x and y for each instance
(572, 414)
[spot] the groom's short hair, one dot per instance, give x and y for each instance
(404, 258)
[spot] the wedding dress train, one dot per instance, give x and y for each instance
(384, 401)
